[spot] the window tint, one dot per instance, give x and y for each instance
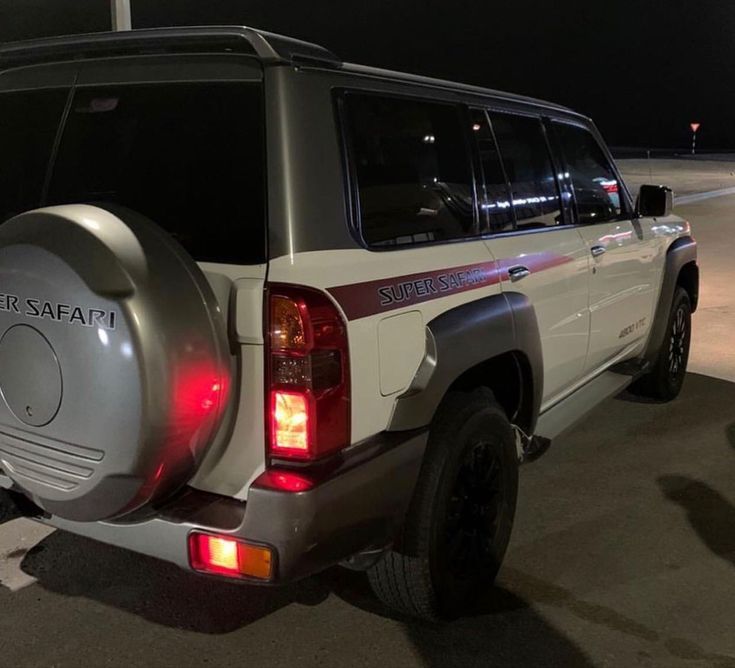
(29, 122)
(596, 188)
(495, 200)
(528, 165)
(413, 171)
(188, 156)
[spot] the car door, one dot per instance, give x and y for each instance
(622, 252)
(540, 254)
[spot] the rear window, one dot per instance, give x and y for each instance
(188, 156)
(29, 122)
(413, 171)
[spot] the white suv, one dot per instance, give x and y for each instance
(263, 312)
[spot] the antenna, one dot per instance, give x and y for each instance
(121, 15)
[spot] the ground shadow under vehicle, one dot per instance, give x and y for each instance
(8, 510)
(530, 620)
(498, 633)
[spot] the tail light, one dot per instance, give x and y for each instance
(309, 393)
(223, 555)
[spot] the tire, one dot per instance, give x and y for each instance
(665, 379)
(460, 518)
(115, 362)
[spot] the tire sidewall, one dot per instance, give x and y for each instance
(481, 422)
(672, 383)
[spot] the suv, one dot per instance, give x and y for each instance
(263, 312)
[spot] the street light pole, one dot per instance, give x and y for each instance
(121, 15)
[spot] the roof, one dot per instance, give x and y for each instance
(269, 47)
(452, 85)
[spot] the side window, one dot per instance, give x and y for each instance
(529, 169)
(495, 201)
(596, 188)
(29, 122)
(412, 168)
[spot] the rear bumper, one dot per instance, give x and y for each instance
(357, 508)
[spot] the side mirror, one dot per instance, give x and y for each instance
(655, 202)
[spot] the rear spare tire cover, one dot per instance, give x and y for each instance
(114, 361)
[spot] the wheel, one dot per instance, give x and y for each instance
(665, 380)
(459, 522)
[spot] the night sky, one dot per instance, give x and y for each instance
(643, 70)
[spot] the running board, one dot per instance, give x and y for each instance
(561, 417)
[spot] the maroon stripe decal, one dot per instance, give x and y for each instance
(359, 300)
(362, 299)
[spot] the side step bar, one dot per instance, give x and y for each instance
(561, 417)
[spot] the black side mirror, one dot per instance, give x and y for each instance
(654, 202)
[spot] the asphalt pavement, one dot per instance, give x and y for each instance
(623, 554)
(685, 176)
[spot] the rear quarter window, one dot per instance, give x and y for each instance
(189, 156)
(411, 168)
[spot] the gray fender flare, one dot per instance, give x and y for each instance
(682, 251)
(462, 338)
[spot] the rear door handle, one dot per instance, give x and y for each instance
(598, 250)
(518, 272)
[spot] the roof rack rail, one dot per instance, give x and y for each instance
(269, 47)
(278, 47)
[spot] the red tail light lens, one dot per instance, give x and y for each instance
(309, 374)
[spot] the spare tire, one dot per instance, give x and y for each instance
(114, 361)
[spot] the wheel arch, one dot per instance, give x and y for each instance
(492, 342)
(680, 269)
(688, 279)
(510, 378)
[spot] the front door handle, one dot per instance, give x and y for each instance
(598, 250)
(518, 272)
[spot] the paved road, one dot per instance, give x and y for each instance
(714, 323)
(684, 176)
(623, 555)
